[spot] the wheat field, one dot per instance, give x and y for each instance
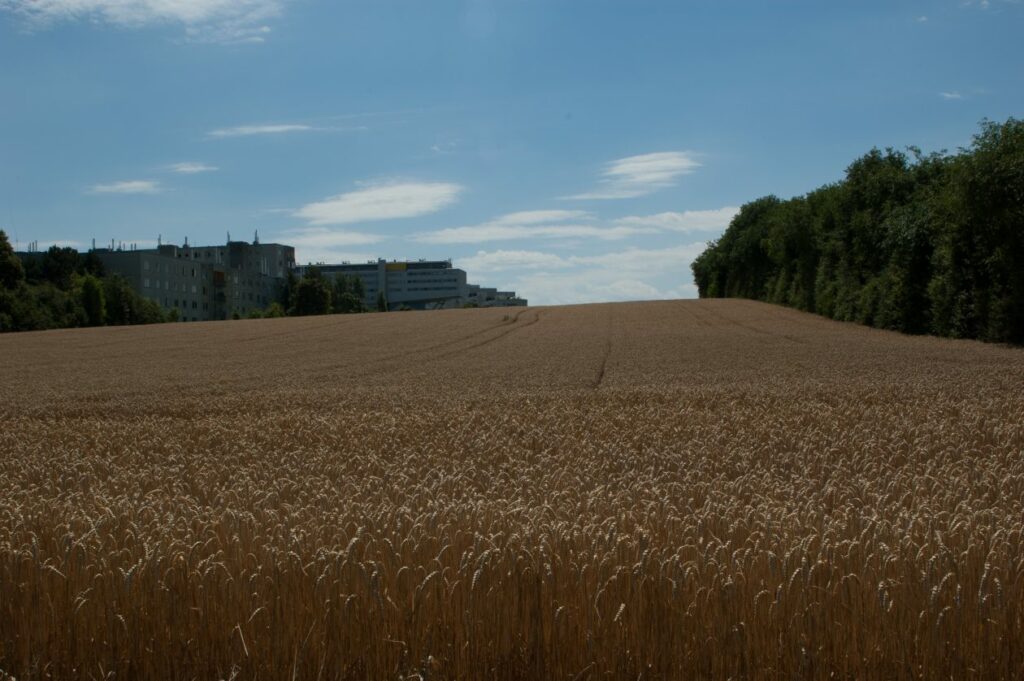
(665, 490)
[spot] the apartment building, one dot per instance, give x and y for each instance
(205, 282)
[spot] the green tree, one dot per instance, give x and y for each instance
(90, 292)
(382, 302)
(312, 295)
(909, 242)
(12, 273)
(59, 265)
(358, 289)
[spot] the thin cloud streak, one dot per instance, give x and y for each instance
(208, 21)
(641, 175)
(684, 221)
(247, 130)
(531, 224)
(127, 187)
(192, 168)
(497, 232)
(381, 201)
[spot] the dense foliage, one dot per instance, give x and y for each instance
(61, 288)
(911, 242)
(316, 294)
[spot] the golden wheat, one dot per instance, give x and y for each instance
(709, 490)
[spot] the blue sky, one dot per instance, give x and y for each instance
(573, 151)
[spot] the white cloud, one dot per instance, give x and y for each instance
(191, 168)
(499, 261)
(321, 237)
(321, 244)
(127, 187)
(222, 21)
(684, 221)
(534, 217)
(382, 201)
(641, 175)
(551, 224)
(644, 260)
(922, 19)
(531, 224)
(476, 234)
(246, 130)
(951, 95)
(549, 279)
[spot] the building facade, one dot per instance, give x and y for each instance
(205, 282)
(418, 284)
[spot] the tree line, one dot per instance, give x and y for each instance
(62, 288)
(918, 243)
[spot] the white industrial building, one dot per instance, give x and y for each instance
(418, 284)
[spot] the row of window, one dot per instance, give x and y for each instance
(169, 287)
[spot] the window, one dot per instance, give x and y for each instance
(194, 289)
(145, 264)
(145, 283)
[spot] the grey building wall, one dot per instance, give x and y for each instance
(205, 282)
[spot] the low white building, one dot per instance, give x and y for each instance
(418, 284)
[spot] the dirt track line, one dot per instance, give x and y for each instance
(455, 341)
(749, 327)
(604, 364)
(488, 341)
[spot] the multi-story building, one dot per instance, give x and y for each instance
(418, 284)
(205, 282)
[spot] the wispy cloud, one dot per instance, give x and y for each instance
(220, 21)
(951, 95)
(684, 221)
(641, 175)
(547, 278)
(321, 244)
(273, 129)
(922, 19)
(127, 187)
(500, 261)
(578, 224)
(381, 201)
(537, 224)
(323, 238)
(491, 232)
(192, 168)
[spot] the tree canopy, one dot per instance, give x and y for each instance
(911, 242)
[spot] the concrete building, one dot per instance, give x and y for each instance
(205, 282)
(418, 284)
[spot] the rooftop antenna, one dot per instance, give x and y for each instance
(229, 236)
(94, 243)
(256, 238)
(159, 239)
